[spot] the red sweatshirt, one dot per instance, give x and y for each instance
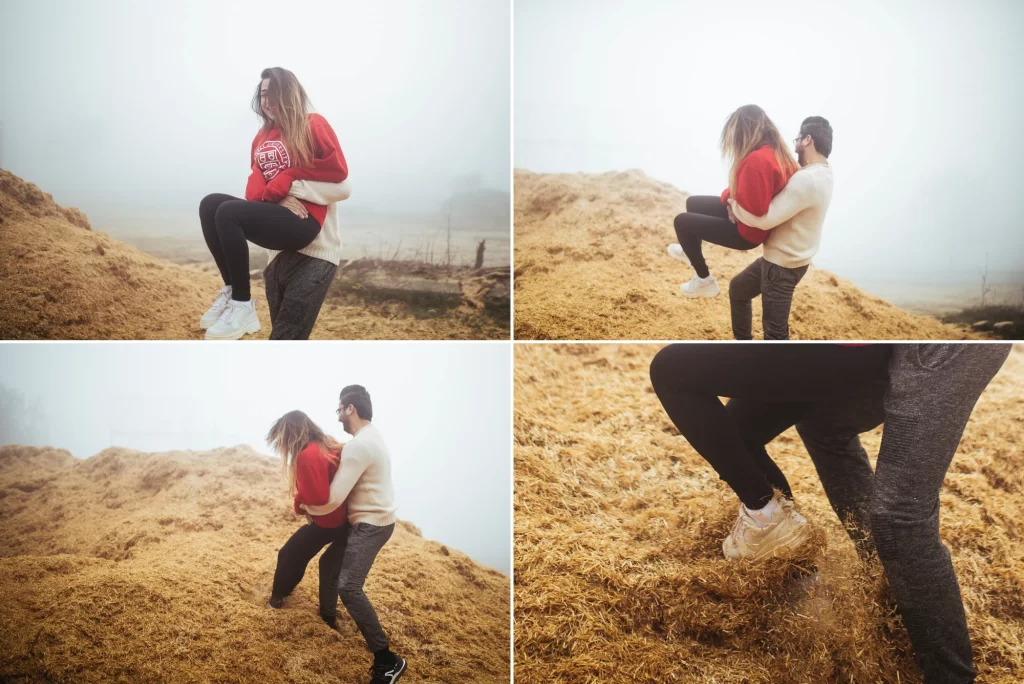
(758, 179)
(273, 168)
(313, 475)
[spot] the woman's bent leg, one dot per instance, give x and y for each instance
(207, 219)
(295, 555)
(709, 205)
(689, 378)
(693, 229)
(265, 224)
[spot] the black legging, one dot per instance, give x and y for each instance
(295, 555)
(690, 378)
(707, 219)
(228, 222)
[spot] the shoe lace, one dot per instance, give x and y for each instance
(377, 672)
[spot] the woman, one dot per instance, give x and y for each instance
(760, 167)
(776, 386)
(311, 460)
(291, 144)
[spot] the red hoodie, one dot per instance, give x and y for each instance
(273, 168)
(313, 475)
(758, 179)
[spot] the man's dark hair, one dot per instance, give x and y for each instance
(820, 131)
(356, 395)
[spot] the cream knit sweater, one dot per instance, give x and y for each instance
(795, 217)
(363, 480)
(327, 245)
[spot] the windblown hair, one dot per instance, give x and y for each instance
(747, 129)
(291, 104)
(291, 433)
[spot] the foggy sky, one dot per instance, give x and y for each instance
(444, 409)
(924, 99)
(123, 103)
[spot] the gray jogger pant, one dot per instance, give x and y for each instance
(932, 391)
(296, 287)
(362, 545)
(775, 284)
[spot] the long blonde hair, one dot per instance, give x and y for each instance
(747, 129)
(290, 434)
(290, 102)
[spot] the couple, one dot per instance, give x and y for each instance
(298, 173)
(922, 394)
(769, 201)
(345, 492)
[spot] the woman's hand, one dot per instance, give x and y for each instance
(295, 206)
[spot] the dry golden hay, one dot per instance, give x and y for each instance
(61, 280)
(619, 574)
(157, 567)
(590, 264)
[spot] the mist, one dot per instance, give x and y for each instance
(134, 111)
(924, 99)
(444, 410)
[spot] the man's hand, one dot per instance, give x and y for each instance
(295, 206)
(728, 207)
(309, 518)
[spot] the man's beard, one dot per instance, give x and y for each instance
(800, 158)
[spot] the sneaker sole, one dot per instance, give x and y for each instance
(678, 257)
(707, 294)
(253, 327)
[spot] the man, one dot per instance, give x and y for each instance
(931, 393)
(297, 282)
(795, 218)
(363, 481)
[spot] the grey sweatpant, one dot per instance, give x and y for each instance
(775, 285)
(362, 545)
(296, 287)
(932, 391)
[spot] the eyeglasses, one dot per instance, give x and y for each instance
(338, 410)
(798, 138)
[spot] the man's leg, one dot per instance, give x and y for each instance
(364, 542)
(777, 287)
(303, 289)
(742, 290)
(933, 390)
(273, 284)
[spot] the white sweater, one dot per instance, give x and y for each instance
(363, 480)
(327, 245)
(795, 217)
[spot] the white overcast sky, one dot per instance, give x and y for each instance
(444, 409)
(147, 104)
(924, 97)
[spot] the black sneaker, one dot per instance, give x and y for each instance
(387, 673)
(331, 620)
(275, 601)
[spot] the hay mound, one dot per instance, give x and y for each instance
(61, 280)
(157, 567)
(590, 264)
(619, 574)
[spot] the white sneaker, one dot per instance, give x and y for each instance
(753, 538)
(675, 250)
(700, 287)
(214, 312)
(238, 319)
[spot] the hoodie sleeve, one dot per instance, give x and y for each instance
(256, 183)
(328, 164)
(790, 201)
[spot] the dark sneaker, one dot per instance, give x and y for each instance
(331, 620)
(387, 673)
(275, 601)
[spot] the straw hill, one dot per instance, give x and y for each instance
(62, 280)
(619, 574)
(590, 264)
(138, 567)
